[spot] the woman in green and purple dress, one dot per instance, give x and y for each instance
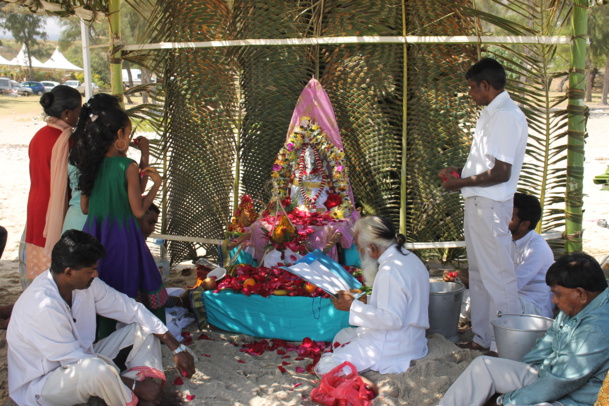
(111, 187)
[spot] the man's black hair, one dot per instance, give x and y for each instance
(487, 69)
(577, 270)
(76, 249)
(528, 207)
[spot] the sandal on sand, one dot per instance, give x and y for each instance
(472, 345)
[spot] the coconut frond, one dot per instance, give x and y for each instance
(227, 110)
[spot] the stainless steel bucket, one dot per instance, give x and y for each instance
(516, 334)
(444, 308)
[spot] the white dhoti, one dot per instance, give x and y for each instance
(349, 348)
(492, 275)
(99, 376)
(486, 376)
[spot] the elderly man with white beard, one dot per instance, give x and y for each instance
(391, 322)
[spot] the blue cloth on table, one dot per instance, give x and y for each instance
(290, 318)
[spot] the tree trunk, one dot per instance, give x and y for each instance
(589, 78)
(127, 66)
(605, 82)
(576, 128)
(146, 78)
(116, 55)
(562, 82)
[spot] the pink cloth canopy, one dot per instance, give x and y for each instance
(315, 103)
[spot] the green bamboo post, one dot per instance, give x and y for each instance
(116, 54)
(576, 128)
(404, 169)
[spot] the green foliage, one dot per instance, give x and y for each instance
(598, 32)
(70, 43)
(25, 27)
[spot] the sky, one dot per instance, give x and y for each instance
(52, 29)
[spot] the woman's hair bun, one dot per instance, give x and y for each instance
(46, 100)
(400, 239)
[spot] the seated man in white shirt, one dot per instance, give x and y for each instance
(532, 257)
(391, 322)
(52, 359)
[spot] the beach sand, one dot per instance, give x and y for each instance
(227, 376)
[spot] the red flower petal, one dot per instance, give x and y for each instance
(285, 363)
(241, 361)
(296, 385)
(190, 397)
(178, 381)
(282, 369)
(300, 370)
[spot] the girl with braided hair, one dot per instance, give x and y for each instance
(75, 218)
(111, 187)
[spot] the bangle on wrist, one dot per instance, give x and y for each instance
(133, 385)
(180, 349)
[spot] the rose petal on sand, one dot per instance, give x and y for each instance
(178, 381)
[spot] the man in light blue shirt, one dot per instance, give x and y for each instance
(566, 367)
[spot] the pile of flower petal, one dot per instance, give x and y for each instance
(307, 350)
(304, 218)
(270, 280)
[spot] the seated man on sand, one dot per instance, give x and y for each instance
(51, 356)
(532, 257)
(568, 365)
(391, 322)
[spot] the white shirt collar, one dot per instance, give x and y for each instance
(496, 102)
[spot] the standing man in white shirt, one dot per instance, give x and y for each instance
(390, 324)
(532, 256)
(488, 182)
(52, 359)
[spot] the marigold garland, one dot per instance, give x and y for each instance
(288, 157)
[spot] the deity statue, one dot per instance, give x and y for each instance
(310, 184)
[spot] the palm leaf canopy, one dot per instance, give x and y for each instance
(403, 110)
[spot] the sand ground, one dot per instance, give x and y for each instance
(226, 376)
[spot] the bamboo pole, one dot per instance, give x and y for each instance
(576, 128)
(116, 53)
(404, 169)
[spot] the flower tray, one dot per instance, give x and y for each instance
(290, 318)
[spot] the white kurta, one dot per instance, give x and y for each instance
(391, 327)
(501, 133)
(532, 257)
(45, 333)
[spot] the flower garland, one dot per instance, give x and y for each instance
(302, 171)
(288, 157)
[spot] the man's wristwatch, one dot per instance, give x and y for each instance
(180, 349)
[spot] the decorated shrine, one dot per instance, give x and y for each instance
(311, 208)
(312, 205)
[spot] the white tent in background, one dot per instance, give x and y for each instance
(5, 62)
(58, 61)
(21, 60)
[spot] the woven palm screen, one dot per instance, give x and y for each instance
(403, 110)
